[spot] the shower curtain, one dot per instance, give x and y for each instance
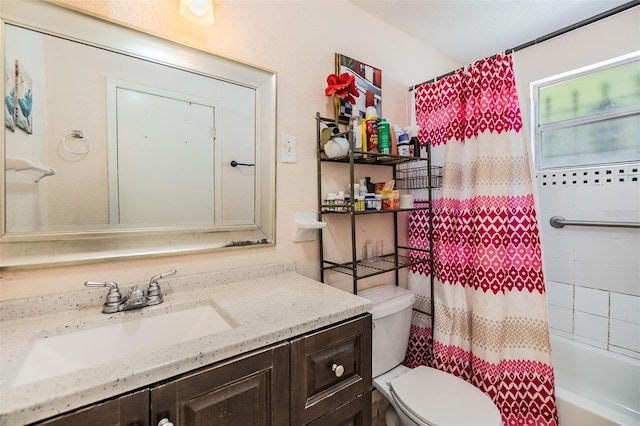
(490, 316)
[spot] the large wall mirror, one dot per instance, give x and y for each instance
(117, 143)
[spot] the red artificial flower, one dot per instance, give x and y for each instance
(343, 86)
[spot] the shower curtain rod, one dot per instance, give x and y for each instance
(549, 36)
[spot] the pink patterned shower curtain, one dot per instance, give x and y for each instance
(490, 315)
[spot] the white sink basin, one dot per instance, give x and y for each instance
(62, 354)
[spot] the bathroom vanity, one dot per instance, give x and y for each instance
(297, 352)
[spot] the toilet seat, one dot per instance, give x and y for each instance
(433, 397)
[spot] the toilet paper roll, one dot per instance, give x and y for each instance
(406, 201)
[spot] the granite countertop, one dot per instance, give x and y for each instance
(266, 304)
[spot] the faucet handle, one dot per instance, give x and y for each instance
(114, 298)
(155, 278)
(154, 295)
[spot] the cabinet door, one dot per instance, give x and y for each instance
(249, 390)
(128, 410)
(330, 367)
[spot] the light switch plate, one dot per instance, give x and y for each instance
(288, 152)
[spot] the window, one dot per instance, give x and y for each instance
(589, 116)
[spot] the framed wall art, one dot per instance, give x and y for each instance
(24, 100)
(9, 97)
(18, 101)
(368, 83)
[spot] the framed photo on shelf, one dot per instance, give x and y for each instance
(368, 83)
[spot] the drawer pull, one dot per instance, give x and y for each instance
(337, 369)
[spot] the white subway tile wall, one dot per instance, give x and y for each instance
(591, 327)
(559, 294)
(625, 335)
(560, 318)
(592, 301)
(592, 274)
(625, 307)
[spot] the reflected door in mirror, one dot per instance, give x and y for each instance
(165, 168)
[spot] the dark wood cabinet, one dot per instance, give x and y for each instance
(330, 367)
(250, 390)
(320, 378)
(127, 410)
(356, 412)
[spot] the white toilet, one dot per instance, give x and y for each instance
(422, 396)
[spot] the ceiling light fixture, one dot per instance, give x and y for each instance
(200, 11)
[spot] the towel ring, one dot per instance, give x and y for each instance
(79, 134)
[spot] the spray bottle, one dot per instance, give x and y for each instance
(384, 138)
(370, 131)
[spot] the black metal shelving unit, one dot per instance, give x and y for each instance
(407, 175)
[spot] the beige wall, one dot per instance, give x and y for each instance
(297, 39)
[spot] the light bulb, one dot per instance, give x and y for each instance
(199, 11)
(197, 7)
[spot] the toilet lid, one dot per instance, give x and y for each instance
(438, 398)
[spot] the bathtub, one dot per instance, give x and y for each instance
(594, 386)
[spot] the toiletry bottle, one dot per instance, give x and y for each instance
(403, 145)
(416, 146)
(370, 131)
(384, 138)
(356, 135)
(396, 131)
(363, 134)
(340, 201)
(370, 201)
(371, 187)
(331, 202)
(371, 126)
(394, 141)
(363, 187)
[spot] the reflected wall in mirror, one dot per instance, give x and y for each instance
(130, 138)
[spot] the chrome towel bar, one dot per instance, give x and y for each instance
(560, 222)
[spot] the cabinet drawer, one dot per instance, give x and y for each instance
(356, 412)
(316, 388)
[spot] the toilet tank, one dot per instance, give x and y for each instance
(391, 314)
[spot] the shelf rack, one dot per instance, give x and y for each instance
(406, 176)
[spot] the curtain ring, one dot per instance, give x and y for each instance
(79, 134)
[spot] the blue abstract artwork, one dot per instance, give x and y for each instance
(24, 98)
(10, 97)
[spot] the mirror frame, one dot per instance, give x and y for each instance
(53, 249)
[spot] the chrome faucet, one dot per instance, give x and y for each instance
(135, 299)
